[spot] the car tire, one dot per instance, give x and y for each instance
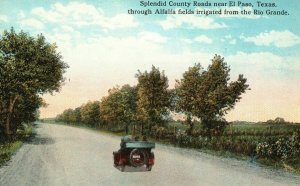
(149, 168)
(142, 157)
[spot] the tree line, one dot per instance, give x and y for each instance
(205, 95)
(29, 68)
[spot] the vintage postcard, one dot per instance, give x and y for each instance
(134, 92)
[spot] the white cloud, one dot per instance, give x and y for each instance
(259, 64)
(3, 18)
(65, 28)
(64, 36)
(257, 60)
(120, 21)
(190, 22)
(187, 41)
(83, 14)
(21, 15)
(232, 42)
(48, 16)
(33, 23)
(203, 39)
(112, 60)
(228, 36)
(152, 37)
(279, 39)
(78, 13)
(229, 39)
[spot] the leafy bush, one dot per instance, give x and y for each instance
(280, 149)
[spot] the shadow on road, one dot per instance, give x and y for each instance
(41, 141)
(35, 139)
(132, 169)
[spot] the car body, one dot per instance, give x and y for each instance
(134, 153)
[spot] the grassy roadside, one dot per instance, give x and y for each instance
(290, 166)
(7, 149)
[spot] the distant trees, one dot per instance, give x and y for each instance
(276, 120)
(76, 117)
(29, 67)
(146, 105)
(116, 110)
(200, 94)
(208, 94)
(89, 113)
(68, 116)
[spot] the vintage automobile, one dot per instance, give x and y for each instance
(134, 153)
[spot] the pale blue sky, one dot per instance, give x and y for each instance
(105, 46)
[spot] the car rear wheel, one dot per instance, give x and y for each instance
(138, 157)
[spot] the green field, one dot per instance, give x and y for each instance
(277, 144)
(280, 127)
(248, 126)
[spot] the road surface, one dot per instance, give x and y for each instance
(62, 155)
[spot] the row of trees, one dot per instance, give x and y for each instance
(145, 104)
(203, 94)
(88, 114)
(29, 67)
(277, 120)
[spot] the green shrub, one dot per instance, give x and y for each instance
(280, 149)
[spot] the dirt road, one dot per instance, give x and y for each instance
(62, 155)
